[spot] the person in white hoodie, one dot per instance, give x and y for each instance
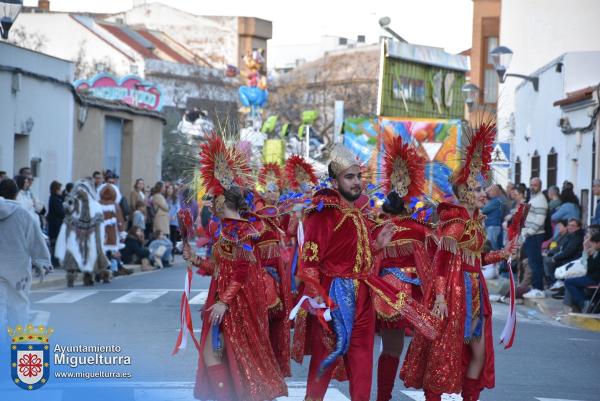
(533, 234)
(22, 245)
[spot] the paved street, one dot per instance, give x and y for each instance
(140, 314)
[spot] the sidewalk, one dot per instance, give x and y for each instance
(550, 307)
(58, 278)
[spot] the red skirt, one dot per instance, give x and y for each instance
(387, 317)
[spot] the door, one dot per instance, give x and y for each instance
(113, 142)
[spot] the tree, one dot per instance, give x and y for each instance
(349, 76)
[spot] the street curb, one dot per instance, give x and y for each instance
(58, 278)
(583, 320)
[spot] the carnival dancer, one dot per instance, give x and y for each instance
(236, 360)
(80, 245)
(461, 358)
(405, 261)
(271, 253)
(338, 269)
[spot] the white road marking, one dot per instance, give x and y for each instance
(67, 297)
(554, 399)
(139, 297)
(39, 317)
(199, 299)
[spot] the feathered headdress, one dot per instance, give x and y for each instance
(299, 171)
(403, 169)
(221, 167)
(477, 156)
(270, 174)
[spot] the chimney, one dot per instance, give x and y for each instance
(361, 39)
(44, 5)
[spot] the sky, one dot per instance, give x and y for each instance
(440, 23)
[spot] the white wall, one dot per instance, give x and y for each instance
(536, 118)
(64, 37)
(538, 31)
(49, 105)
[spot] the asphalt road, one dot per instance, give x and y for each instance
(140, 314)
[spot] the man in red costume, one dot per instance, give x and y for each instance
(338, 267)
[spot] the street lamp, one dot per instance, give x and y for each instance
(501, 58)
(9, 10)
(470, 93)
(384, 23)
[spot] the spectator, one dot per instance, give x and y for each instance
(575, 287)
(596, 192)
(509, 204)
(55, 217)
(533, 233)
(161, 250)
(567, 185)
(569, 249)
(494, 211)
(524, 188)
(138, 194)
(26, 198)
(139, 216)
(554, 199)
(173, 203)
(569, 207)
(134, 246)
(518, 196)
(67, 189)
(25, 171)
(98, 181)
(116, 265)
(2, 175)
(21, 246)
(160, 208)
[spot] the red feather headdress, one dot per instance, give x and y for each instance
(403, 169)
(222, 167)
(270, 173)
(477, 154)
(298, 171)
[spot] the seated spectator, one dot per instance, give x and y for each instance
(134, 246)
(570, 249)
(139, 216)
(575, 287)
(161, 250)
(569, 207)
(116, 266)
(554, 248)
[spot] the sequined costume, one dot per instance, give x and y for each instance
(276, 286)
(338, 262)
(441, 366)
(237, 279)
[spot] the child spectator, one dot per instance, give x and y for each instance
(161, 250)
(139, 216)
(134, 247)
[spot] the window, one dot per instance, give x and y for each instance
(490, 86)
(518, 171)
(535, 165)
(552, 167)
(490, 77)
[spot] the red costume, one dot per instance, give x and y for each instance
(249, 369)
(338, 263)
(405, 261)
(276, 286)
(440, 366)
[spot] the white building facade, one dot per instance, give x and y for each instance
(551, 140)
(36, 116)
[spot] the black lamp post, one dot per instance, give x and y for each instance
(9, 10)
(501, 58)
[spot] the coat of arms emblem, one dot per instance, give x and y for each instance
(30, 356)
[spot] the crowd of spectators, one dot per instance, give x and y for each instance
(147, 218)
(560, 257)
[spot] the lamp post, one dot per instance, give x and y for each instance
(501, 58)
(470, 93)
(9, 10)
(384, 23)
